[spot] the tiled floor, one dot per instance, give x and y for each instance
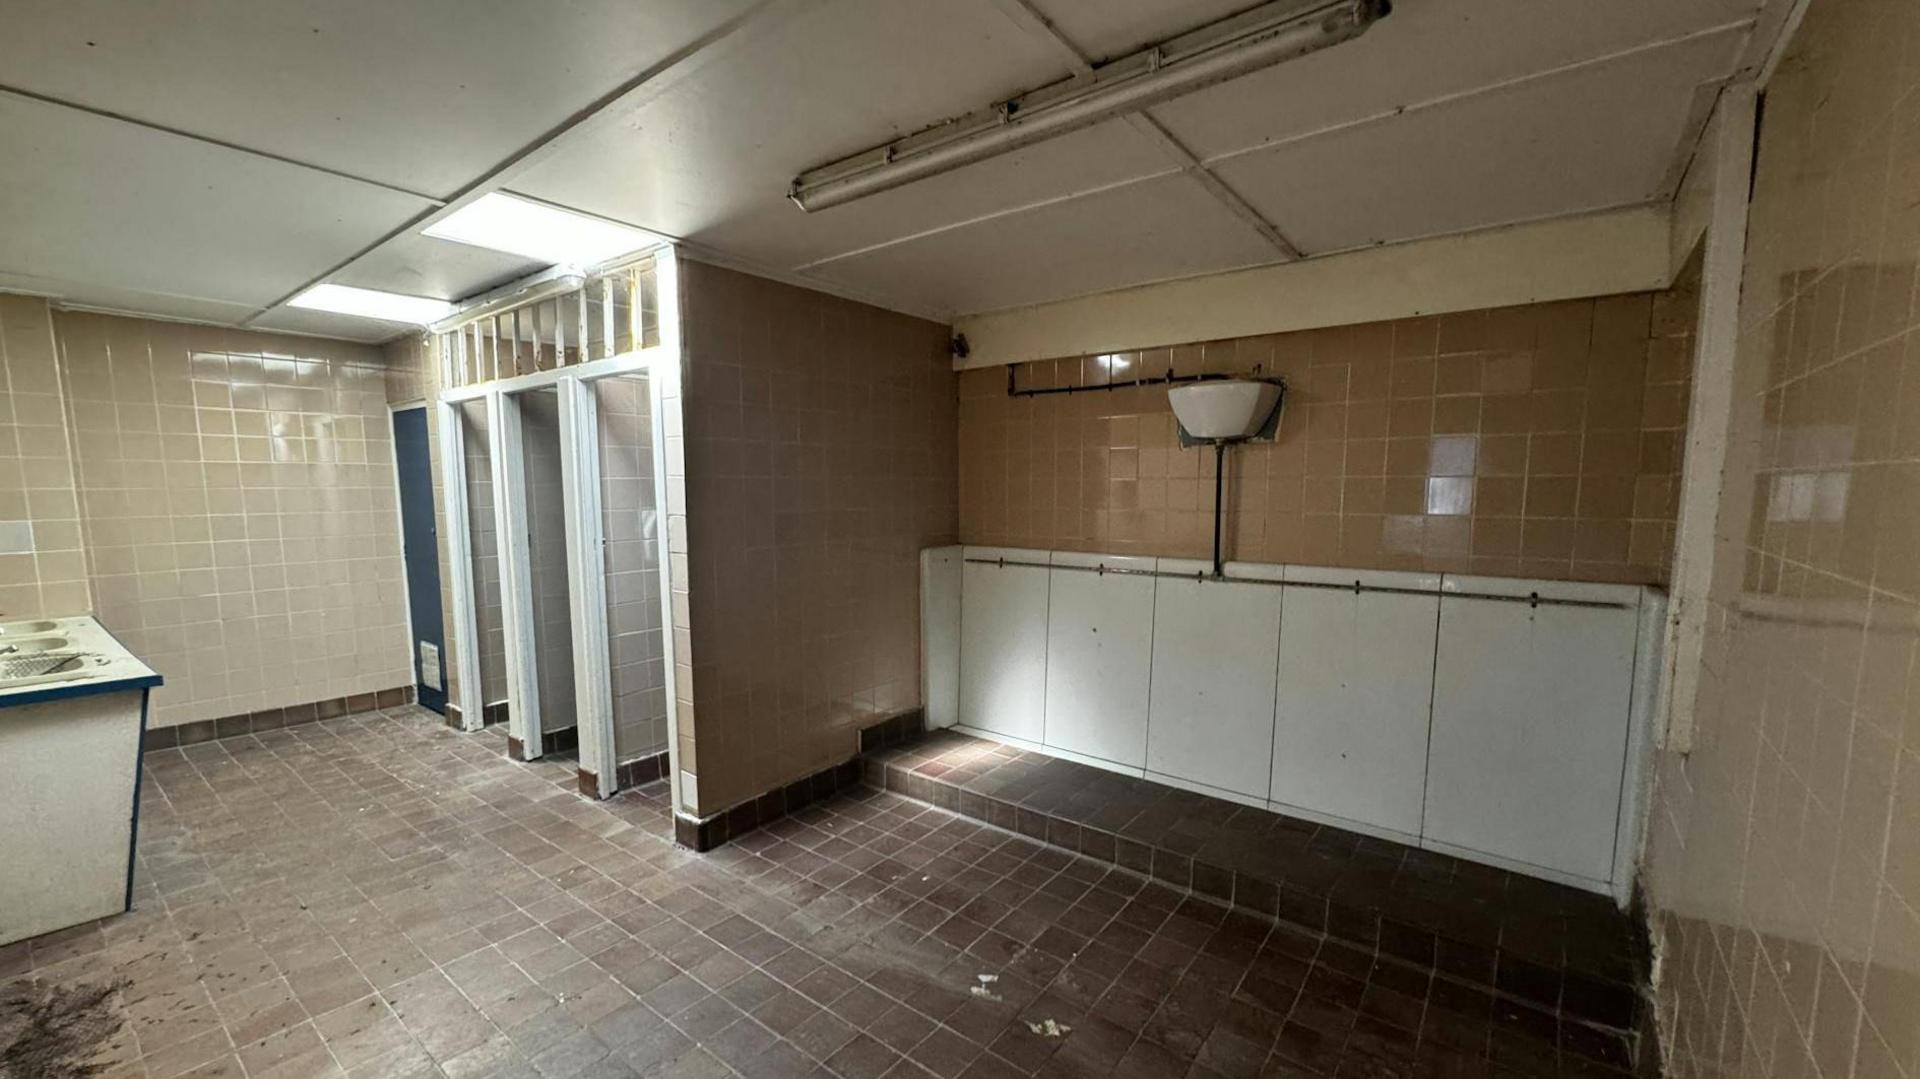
(378, 895)
(1559, 948)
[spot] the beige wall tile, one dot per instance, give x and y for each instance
(820, 459)
(273, 584)
(1783, 869)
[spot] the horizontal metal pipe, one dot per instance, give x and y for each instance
(1204, 576)
(1144, 85)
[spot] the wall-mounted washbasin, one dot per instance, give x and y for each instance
(24, 629)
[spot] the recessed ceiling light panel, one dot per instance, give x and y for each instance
(372, 303)
(538, 231)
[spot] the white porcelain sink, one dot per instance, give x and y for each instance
(18, 629)
(1227, 409)
(12, 646)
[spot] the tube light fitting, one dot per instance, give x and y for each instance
(1213, 54)
(372, 303)
(536, 230)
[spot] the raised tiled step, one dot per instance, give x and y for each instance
(1554, 948)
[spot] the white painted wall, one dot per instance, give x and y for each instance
(1566, 258)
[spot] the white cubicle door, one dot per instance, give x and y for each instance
(1530, 711)
(1355, 691)
(1210, 716)
(1003, 642)
(1099, 653)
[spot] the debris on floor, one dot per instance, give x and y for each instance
(982, 991)
(1048, 1028)
(54, 1031)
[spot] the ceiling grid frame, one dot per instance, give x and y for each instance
(1031, 19)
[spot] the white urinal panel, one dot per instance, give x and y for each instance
(1530, 715)
(1355, 691)
(1215, 643)
(1099, 653)
(1003, 646)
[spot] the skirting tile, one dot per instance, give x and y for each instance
(273, 719)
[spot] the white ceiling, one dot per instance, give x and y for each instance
(207, 167)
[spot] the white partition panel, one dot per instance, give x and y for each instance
(940, 634)
(1210, 714)
(1003, 642)
(1355, 688)
(1530, 713)
(1099, 653)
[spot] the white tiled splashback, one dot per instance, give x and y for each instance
(1500, 719)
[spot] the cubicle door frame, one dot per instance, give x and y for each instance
(585, 538)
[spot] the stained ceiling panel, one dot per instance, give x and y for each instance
(1594, 138)
(94, 203)
(425, 94)
(1162, 228)
(1427, 49)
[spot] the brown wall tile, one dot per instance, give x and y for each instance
(1535, 440)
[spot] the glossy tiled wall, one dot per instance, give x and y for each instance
(238, 497)
(819, 460)
(1784, 866)
(1541, 441)
(630, 520)
(547, 558)
(43, 567)
(484, 541)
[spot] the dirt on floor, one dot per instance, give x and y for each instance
(56, 1032)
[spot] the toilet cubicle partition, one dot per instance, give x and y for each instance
(480, 369)
(1501, 720)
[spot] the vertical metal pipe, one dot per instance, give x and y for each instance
(516, 341)
(1219, 478)
(559, 334)
(496, 346)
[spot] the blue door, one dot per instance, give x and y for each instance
(421, 550)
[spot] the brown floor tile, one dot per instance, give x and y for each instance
(376, 894)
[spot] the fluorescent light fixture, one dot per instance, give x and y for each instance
(1209, 55)
(538, 231)
(372, 303)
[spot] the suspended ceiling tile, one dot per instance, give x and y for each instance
(128, 301)
(1595, 138)
(1114, 28)
(1427, 49)
(1161, 228)
(329, 324)
(1089, 160)
(413, 264)
(425, 94)
(712, 157)
(91, 200)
